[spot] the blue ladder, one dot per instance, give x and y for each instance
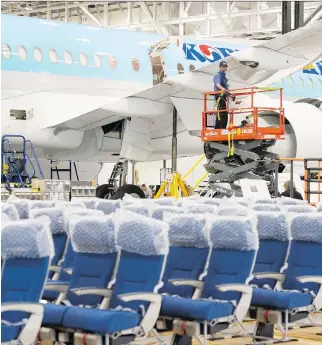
(16, 162)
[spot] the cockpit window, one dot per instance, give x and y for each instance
(83, 59)
(53, 57)
(180, 68)
(22, 53)
(135, 64)
(112, 62)
(6, 51)
(98, 60)
(38, 54)
(68, 57)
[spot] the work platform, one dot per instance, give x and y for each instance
(240, 151)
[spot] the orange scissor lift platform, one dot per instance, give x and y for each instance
(240, 150)
(251, 132)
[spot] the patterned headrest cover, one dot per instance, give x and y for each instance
(107, 206)
(158, 212)
(141, 235)
(56, 217)
(40, 204)
(267, 207)
(27, 239)
(93, 234)
(188, 230)
(144, 211)
(10, 211)
(235, 210)
(22, 207)
(266, 201)
(292, 201)
(89, 203)
(299, 209)
(273, 226)
(77, 203)
(200, 208)
(319, 207)
(165, 201)
(234, 233)
(307, 227)
(71, 212)
(4, 219)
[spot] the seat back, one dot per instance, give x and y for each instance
(299, 209)
(199, 208)
(22, 207)
(188, 253)
(274, 237)
(93, 240)
(57, 227)
(291, 201)
(318, 207)
(157, 212)
(232, 210)
(144, 248)
(235, 244)
(26, 249)
(10, 211)
(107, 206)
(140, 209)
(69, 257)
(32, 204)
(266, 207)
(305, 256)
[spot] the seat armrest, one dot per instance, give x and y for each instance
(188, 282)
(152, 314)
(59, 286)
(56, 269)
(92, 291)
(310, 279)
(68, 271)
(28, 334)
(235, 287)
(280, 277)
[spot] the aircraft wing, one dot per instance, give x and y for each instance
(263, 64)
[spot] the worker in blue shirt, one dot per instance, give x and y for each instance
(221, 84)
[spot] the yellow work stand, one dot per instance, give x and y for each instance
(175, 182)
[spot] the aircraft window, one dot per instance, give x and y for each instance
(22, 53)
(290, 81)
(83, 59)
(38, 54)
(311, 83)
(301, 82)
(53, 57)
(320, 81)
(6, 51)
(113, 62)
(68, 57)
(192, 68)
(180, 68)
(98, 60)
(135, 64)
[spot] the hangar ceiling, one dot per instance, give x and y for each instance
(231, 19)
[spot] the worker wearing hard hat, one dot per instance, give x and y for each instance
(221, 84)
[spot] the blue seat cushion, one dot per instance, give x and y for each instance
(282, 300)
(190, 309)
(54, 314)
(100, 321)
(9, 333)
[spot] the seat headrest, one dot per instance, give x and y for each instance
(210, 201)
(299, 209)
(168, 201)
(188, 230)
(10, 211)
(41, 204)
(234, 233)
(200, 208)
(307, 227)
(22, 207)
(292, 201)
(319, 207)
(81, 212)
(89, 203)
(142, 210)
(27, 239)
(93, 234)
(107, 206)
(266, 207)
(265, 201)
(141, 235)
(75, 202)
(4, 219)
(56, 217)
(273, 226)
(233, 210)
(158, 212)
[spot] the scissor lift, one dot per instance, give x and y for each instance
(240, 151)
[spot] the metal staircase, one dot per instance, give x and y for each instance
(14, 162)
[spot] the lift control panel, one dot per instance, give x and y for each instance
(248, 130)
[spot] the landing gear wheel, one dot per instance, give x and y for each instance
(131, 189)
(105, 191)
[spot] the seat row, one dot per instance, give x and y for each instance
(193, 273)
